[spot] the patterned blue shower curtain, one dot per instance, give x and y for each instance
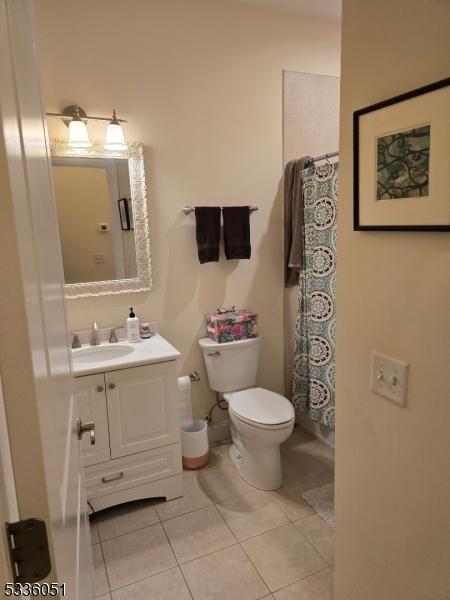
(314, 358)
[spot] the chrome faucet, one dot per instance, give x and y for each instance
(95, 340)
(76, 341)
(113, 339)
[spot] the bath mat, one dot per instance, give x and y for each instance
(322, 500)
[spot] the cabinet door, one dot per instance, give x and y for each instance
(142, 408)
(90, 396)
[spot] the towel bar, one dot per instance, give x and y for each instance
(189, 209)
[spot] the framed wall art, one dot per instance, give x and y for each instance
(401, 160)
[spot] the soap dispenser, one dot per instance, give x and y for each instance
(133, 327)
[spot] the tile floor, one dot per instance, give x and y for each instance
(223, 539)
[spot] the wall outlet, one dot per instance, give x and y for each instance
(389, 378)
(99, 259)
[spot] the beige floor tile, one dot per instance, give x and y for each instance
(223, 482)
(290, 496)
(323, 477)
(100, 579)
(219, 455)
(224, 575)
(95, 539)
(169, 585)
(314, 459)
(125, 518)
(104, 597)
(283, 556)
(193, 498)
(137, 555)
(315, 587)
(316, 449)
(198, 533)
(252, 514)
(319, 534)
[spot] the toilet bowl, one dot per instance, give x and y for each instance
(261, 420)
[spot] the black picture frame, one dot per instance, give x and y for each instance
(126, 214)
(357, 226)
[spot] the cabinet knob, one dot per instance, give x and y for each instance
(99, 388)
(111, 386)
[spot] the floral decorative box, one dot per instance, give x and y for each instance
(230, 325)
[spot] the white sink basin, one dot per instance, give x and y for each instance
(110, 357)
(96, 354)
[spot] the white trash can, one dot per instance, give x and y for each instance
(195, 445)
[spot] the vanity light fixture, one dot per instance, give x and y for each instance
(75, 118)
(114, 134)
(78, 133)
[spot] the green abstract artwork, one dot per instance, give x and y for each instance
(403, 160)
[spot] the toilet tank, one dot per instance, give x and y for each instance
(231, 366)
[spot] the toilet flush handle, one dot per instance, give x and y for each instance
(216, 353)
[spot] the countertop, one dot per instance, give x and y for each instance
(146, 352)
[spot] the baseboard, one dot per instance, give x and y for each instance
(218, 432)
(324, 434)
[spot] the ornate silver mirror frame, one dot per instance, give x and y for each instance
(143, 282)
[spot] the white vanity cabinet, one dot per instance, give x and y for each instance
(137, 451)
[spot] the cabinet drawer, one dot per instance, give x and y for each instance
(130, 471)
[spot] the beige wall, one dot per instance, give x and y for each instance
(393, 477)
(200, 83)
(310, 127)
(83, 201)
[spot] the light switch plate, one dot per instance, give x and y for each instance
(389, 377)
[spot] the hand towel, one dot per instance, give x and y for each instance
(207, 220)
(236, 231)
(293, 219)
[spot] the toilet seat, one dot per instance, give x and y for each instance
(261, 408)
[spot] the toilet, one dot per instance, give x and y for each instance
(261, 420)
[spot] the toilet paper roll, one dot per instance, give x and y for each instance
(184, 402)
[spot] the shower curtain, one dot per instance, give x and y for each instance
(314, 358)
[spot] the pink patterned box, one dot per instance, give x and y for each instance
(231, 325)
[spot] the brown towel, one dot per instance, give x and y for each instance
(236, 231)
(293, 219)
(207, 219)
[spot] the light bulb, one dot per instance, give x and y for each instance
(78, 133)
(114, 135)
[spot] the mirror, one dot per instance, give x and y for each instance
(95, 219)
(101, 206)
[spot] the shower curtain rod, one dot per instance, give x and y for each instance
(325, 156)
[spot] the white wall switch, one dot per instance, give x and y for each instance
(389, 377)
(103, 227)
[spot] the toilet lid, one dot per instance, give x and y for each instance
(260, 406)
